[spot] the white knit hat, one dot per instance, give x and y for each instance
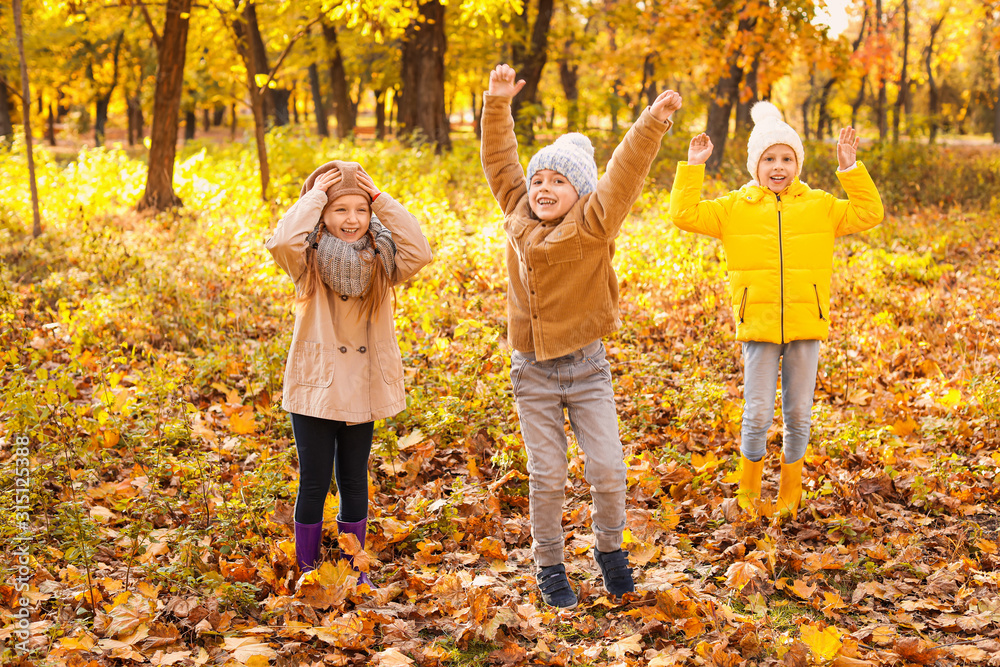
(571, 155)
(768, 130)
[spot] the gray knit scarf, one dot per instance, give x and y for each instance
(347, 267)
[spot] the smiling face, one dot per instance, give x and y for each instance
(347, 217)
(777, 167)
(550, 194)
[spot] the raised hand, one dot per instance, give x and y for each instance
(664, 106)
(327, 179)
(503, 81)
(847, 148)
(366, 183)
(700, 149)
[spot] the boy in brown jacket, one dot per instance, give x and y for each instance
(562, 297)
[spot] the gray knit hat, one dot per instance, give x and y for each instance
(768, 130)
(571, 155)
(347, 267)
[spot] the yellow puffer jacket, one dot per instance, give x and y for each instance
(779, 247)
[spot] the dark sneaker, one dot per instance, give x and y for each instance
(555, 586)
(617, 573)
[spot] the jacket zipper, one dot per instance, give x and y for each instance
(743, 304)
(818, 306)
(781, 273)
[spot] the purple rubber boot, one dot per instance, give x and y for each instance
(308, 537)
(358, 529)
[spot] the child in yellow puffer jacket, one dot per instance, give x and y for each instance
(778, 236)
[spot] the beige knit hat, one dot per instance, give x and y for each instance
(768, 130)
(348, 184)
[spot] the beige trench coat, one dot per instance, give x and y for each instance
(340, 366)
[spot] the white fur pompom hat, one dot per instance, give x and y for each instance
(769, 129)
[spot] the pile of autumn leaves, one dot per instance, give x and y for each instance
(892, 561)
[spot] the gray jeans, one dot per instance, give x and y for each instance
(579, 383)
(799, 361)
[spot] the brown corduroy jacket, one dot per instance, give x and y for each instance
(562, 290)
(341, 366)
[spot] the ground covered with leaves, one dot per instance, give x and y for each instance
(142, 361)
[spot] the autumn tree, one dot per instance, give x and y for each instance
(529, 51)
(171, 46)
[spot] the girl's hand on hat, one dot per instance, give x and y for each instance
(502, 81)
(366, 183)
(847, 148)
(700, 149)
(327, 179)
(665, 105)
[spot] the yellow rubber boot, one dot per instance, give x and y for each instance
(790, 487)
(751, 472)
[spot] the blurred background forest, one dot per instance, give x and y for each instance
(898, 69)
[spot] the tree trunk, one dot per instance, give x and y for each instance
(218, 115)
(823, 122)
(206, 120)
(36, 227)
(647, 90)
(380, 114)
(50, 130)
(726, 95)
(880, 101)
(135, 119)
(570, 77)
(6, 125)
(103, 99)
(824, 125)
(275, 99)
(743, 120)
(280, 98)
(858, 101)
(529, 63)
(806, 104)
(322, 123)
(159, 193)
(719, 111)
(904, 82)
(934, 102)
(241, 27)
(340, 94)
(996, 111)
(190, 124)
(421, 99)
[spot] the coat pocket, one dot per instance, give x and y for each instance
(741, 311)
(389, 360)
(313, 364)
(563, 244)
(819, 304)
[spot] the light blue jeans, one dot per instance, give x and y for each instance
(799, 362)
(580, 384)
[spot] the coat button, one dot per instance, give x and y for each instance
(343, 349)
(362, 349)
(343, 297)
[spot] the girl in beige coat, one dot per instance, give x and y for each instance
(344, 368)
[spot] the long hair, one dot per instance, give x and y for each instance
(379, 289)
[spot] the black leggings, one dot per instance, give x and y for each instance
(325, 448)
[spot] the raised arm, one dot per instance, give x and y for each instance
(863, 207)
(499, 145)
(622, 182)
(687, 210)
(413, 252)
(288, 243)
